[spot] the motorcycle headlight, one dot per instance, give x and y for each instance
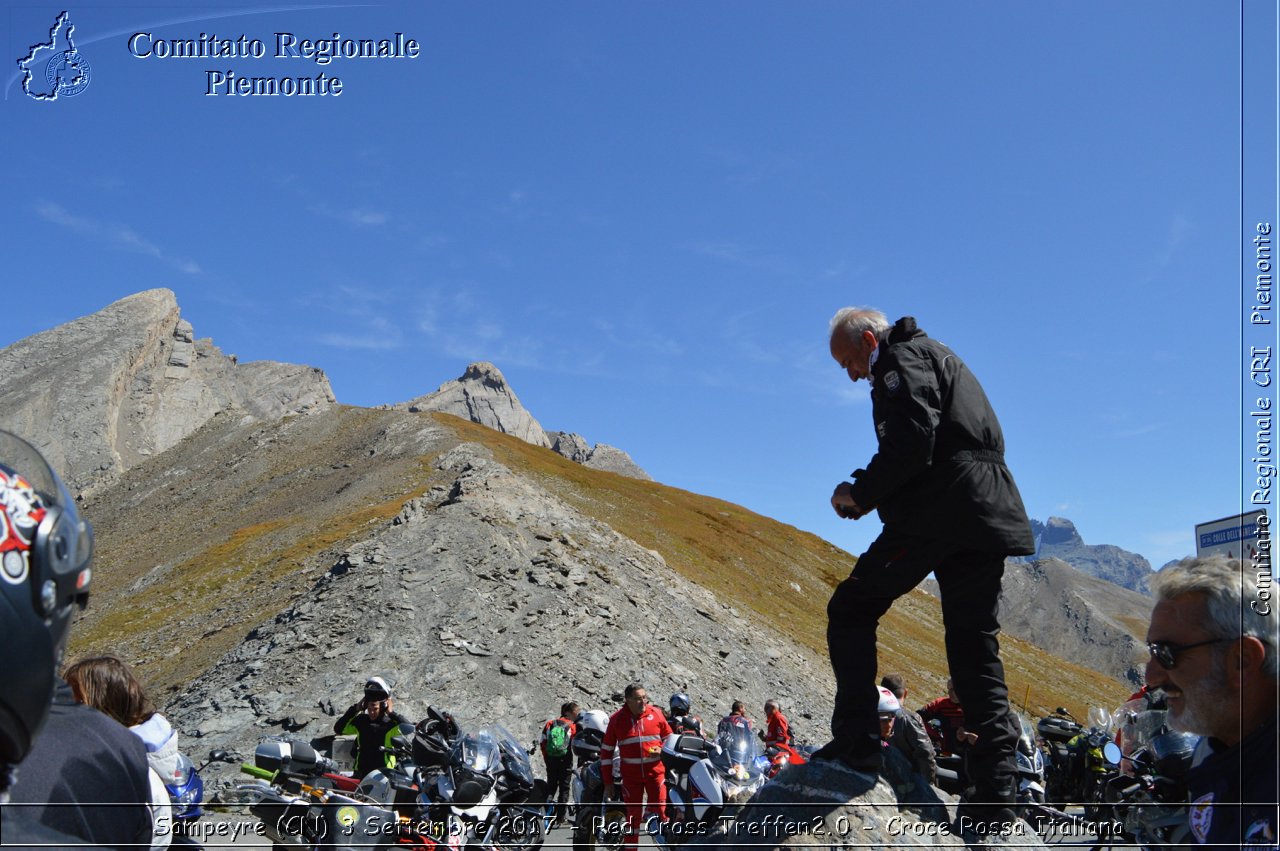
(190, 795)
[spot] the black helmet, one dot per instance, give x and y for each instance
(680, 704)
(45, 550)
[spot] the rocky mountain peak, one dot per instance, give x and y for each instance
(1059, 539)
(141, 382)
(481, 394)
(487, 374)
(1060, 530)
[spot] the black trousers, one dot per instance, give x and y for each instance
(559, 772)
(970, 586)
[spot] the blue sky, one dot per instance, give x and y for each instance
(646, 213)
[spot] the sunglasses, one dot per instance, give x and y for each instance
(1166, 653)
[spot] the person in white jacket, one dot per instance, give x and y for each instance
(108, 684)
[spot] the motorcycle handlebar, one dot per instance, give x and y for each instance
(254, 771)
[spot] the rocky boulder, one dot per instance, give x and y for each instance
(102, 392)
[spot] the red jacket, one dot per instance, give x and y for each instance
(638, 742)
(778, 731)
(951, 715)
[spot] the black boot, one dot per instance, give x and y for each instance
(861, 753)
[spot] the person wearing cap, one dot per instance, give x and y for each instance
(69, 775)
(374, 723)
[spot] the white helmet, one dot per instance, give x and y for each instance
(888, 703)
(593, 719)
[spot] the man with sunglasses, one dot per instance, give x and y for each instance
(1212, 641)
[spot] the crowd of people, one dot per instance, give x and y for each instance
(84, 755)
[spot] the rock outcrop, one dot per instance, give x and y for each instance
(482, 396)
(602, 456)
(1059, 539)
(101, 393)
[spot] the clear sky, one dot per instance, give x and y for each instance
(645, 214)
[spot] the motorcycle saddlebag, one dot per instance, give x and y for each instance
(680, 752)
(292, 757)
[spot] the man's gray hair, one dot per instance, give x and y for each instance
(771, 705)
(1233, 607)
(852, 321)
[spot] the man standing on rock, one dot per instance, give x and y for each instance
(949, 506)
(636, 731)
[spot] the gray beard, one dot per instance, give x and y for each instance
(1203, 704)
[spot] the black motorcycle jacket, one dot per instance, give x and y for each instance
(939, 470)
(1232, 791)
(371, 737)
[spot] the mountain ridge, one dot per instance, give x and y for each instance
(258, 568)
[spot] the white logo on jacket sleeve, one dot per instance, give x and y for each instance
(891, 380)
(1200, 816)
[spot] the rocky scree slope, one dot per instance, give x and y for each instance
(1077, 616)
(101, 393)
(496, 600)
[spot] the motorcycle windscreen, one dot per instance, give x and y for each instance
(478, 752)
(737, 755)
(515, 759)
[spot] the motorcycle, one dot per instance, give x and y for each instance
(1148, 796)
(599, 820)
(1088, 770)
(297, 814)
(186, 793)
(1031, 774)
(781, 755)
(486, 796)
(1057, 731)
(705, 779)
(950, 766)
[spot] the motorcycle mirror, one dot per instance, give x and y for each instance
(219, 756)
(1111, 751)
